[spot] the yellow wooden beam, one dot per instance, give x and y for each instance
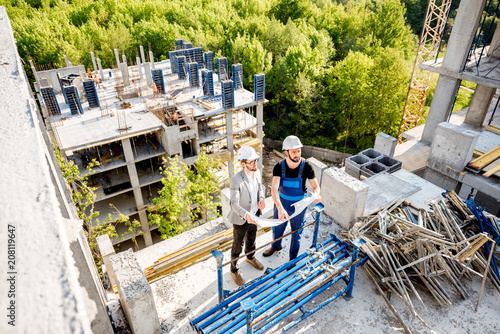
(492, 171)
(485, 159)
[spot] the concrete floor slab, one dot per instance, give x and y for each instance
(193, 291)
(384, 189)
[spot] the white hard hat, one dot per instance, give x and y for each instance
(291, 142)
(247, 153)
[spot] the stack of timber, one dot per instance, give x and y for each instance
(187, 256)
(488, 162)
(414, 249)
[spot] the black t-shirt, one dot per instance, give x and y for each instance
(307, 173)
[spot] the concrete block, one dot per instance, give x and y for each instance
(373, 168)
(392, 164)
(135, 294)
(452, 147)
(344, 197)
(107, 250)
(319, 168)
(354, 163)
(385, 144)
(371, 153)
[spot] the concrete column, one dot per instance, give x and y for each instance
(385, 144)
(347, 201)
(93, 61)
(441, 104)
(125, 76)
(136, 188)
(117, 57)
(135, 293)
(142, 54)
(495, 42)
(107, 250)
(230, 144)
(101, 74)
(479, 105)
(139, 66)
(147, 73)
(450, 152)
(124, 59)
(151, 60)
(319, 169)
(67, 61)
(260, 127)
(468, 16)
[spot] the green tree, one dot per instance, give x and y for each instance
(84, 198)
(203, 188)
(172, 204)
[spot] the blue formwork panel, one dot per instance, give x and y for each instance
(73, 100)
(222, 68)
(158, 80)
(181, 67)
(179, 44)
(50, 101)
(91, 93)
(259, 86)
(189, 54)
(207, 79)
(209, 60)
(227, 94)
(237, 76)
(198, 56)
(194, 78)
(173, 61)
(188, 45)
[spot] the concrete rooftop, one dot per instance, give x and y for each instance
(193, 291)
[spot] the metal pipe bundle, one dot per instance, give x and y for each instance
(282, 291)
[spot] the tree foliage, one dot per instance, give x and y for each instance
(300, 45)
(187, 195)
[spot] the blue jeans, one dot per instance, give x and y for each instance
(295, 223)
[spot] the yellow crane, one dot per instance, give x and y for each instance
(430, 40)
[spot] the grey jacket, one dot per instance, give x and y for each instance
(240, 196)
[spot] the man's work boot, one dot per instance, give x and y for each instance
(237, 278)
(270, 251)
(254, 262)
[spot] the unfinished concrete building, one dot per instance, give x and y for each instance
(130, 117)
(58, 286)
(440, 149)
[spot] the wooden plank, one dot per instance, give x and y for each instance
(485, 159)
(493, 129)
(492, 169)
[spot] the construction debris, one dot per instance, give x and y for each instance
(125, 105)
(412, 250)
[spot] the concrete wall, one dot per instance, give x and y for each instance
(311, 151)
(171, 141)
(135, 294)
(48, 296)
(51, 76)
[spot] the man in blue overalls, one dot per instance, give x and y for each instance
(289, 187)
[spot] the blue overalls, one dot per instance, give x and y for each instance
(290, 192)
